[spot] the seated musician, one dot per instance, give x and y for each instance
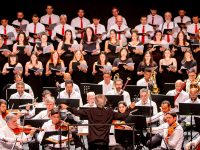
(98, 137)
(90, 100)
(107, 83)
(3, 112)
(192, 79)
(145, 80)
(145, 101)
(50, 104)
(67, 76)
(45, 95)
(21, 94)
(179, 94)
(17, 78)
(193, 144)
(10, 135)
(118, 84)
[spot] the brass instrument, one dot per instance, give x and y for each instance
(196, 82)
(116, 76)
(155, 89)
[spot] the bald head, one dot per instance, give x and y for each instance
(67, 76)
(178, 85)
(119, 20)
(194, 93)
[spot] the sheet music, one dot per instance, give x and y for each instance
(57, 137)
(140, 47)
(47, 49)
(23, 27)
(18, 68)
(10, 35)
(76, 46)
(29, 47)
(52, 26)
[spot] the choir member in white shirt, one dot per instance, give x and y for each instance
(20, 21)
(193, 28)
(61, 28)
(118, 84)
(49, 19)
(70, 93)
(3, 113)
(99, 29)
(80, 23)
(179, 94)
(34, 30)
(50, 104)
(5, 28)
(123, 31)
(107, 83)
(145, 31)
(182, 18)
(10, 137)
(112, 20)
(169, 24)
(154, 19)
(18, 78)
(145, 101)
(193, 144)
(21, 94)
(146, 79)
(67, 76)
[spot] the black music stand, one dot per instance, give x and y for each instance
(37, 123)
(197, 123)
(88, 87)
(67, 101)
(9, 92)
(189, 109)
(17, 102)
(53, 90)
(144, 110)
(38, 110)
(167, 87)
(134, 90)
(113, 100)
(159, 98)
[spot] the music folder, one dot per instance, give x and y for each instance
(191, 34)
(113, 100)
(15, 103)
(32, 35)
(68, 101)
(166, 31)
(78, 28)
(59, 36)
(98, 67)
(146, 111)
(37, 123)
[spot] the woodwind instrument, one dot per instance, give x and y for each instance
(128, 79)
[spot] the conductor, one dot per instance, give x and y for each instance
(98, 137)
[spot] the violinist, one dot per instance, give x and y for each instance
(3, 112)
(172, 133)
(194, 144)
(12, 138)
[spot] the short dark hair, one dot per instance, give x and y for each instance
(172, 113)
(69, 82)
(147, 69)
(54, 111)
(166, 102)
(123, 103)
(35, 15)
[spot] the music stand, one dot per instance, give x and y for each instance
(167, 87)
(9, 92)
(37, 123)
(144, 110)
(139, 120)
(53, 90)
(159, 98)
(134, 90)
(69, 102)
(38, 110)
(189, 109)
(197, 123)
(17, 102)
(113, 100)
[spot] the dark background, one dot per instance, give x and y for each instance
(130, 9)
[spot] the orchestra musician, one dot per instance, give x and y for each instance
(107, 82)
(3, 112)
(98, 137)
(194, 144)
(146, 79)
(192, 80)
(10, 138)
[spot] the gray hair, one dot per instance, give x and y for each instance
(63, 15)
(50, 99)
(143, 90)
(9, 117)
(90, 94)
(100, 100)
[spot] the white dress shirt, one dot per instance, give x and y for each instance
(112, 21)
(126, 95)
(9, 28)
(183, 96)
(58, 29)
(157, 117)
(123, 36)
(171, 26)
(106, 87)
(30, 29)
(155, 110)
(23, 22)
(147, 28)
(175, 141)
(44, 114)
(48, 127)
(54, 19)
(75, 87)
(2, 122)
(191, 28)
(185, 19)
(142, 82)
(76, 22)
(73, 95)
(9, 135)
(156, 21)
(25, 95)
(100, 29)
(13, 86)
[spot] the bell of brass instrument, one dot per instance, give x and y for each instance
(116, 76)
(195, 84)
(155, 89)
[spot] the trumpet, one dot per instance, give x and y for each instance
(155, 89)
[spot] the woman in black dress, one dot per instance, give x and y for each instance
(78, 68)
(123, 65)
(196, 50)
(112, 46)
(65, 49)
(55, 69)
(100, 66)
(33, 72)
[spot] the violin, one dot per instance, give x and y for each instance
(25, 129)
(4, 114)
(62, 124)
(171, 129)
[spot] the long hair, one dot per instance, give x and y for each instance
(25, 42)
(82, 57)
(99, 61)
(71, 40)
(177, 41)
(151, 59)
(85, 38)
(191, 56)
(51, 58)
(12, 55)
(157, 31)
(120, 55)
(36, 57)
